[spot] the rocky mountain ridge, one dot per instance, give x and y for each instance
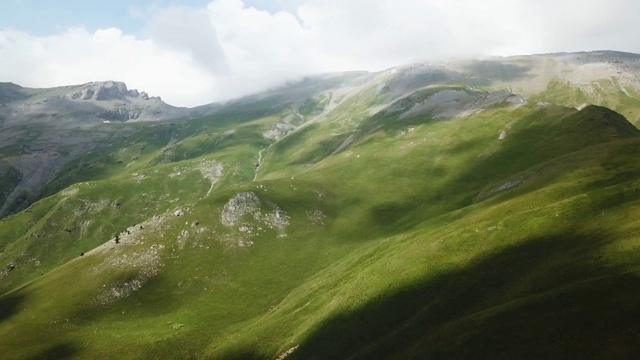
(105, 91)
(76, 105)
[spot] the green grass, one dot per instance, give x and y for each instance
(608, 93)
(401, 243)
(9, 178)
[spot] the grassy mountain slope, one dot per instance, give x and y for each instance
(448, 222)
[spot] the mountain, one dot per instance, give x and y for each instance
(465, 209)
(46, 130)
(71, 106)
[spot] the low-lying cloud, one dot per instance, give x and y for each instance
(192, 56)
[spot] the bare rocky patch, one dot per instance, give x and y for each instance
(238, 206)
(247, 216)
(508, 185)
(134, 234)
(138, 178)
(209, 169)
(316, 217)
(278, 131)
(147, 263)
(459, 103)
(285, 354)
(212, 171)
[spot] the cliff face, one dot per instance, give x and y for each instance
(106, 91)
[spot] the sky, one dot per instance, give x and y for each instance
(194, 52)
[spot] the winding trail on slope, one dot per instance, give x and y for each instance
(260, 161)
(297, 113)
(260, 157)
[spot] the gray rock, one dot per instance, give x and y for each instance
(238, 206)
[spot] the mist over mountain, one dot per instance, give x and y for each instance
(193, 52)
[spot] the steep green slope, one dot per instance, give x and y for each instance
(609, 93)
(148, 171)
(420, 236)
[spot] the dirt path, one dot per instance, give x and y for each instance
(260, 161)
(297, 113)
(260, 156)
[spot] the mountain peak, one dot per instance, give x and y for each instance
(107, 91)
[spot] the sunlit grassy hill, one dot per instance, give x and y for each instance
(404, 214)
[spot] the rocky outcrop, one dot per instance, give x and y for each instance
(7, 269)
(258, 219)
(106, 91)
(238, 206)
(121, 113)
(95, 102)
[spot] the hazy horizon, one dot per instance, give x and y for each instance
(196, 52)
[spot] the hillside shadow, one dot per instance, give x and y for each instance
(506, 306)
(534, 142)
(57, 352)
(156, 301)
(10, 305)
(514, 156)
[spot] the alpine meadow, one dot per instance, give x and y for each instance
(466, 209)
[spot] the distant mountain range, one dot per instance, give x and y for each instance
(523, 75)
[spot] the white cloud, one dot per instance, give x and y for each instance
(77, 56)
(192, 56)
(190, 31)
(261, 49)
